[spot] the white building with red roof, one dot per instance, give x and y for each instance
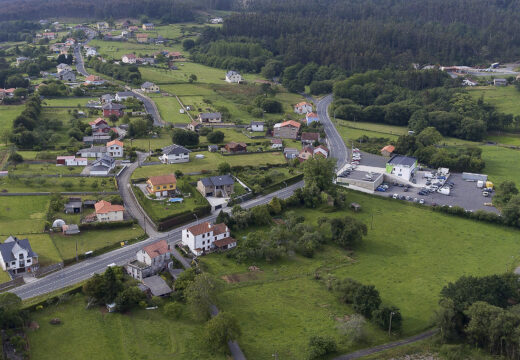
(129, 59)
(287, 129)
(206, 237)
(115, 148)
(321, 151)
(303, 108)
(106, 212)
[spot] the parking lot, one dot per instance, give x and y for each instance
(464, 194)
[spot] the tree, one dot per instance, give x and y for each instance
(511, 211)
(15, 158)
(347, 232)
(224, 168)
(113, 119)
(219, 331)
(346, 289)
(188, 44)
(275, 207)
(129, 298)
(215, 137)
(353, 328)
(185, 137)
(504, 192)
(201, 295)
(182, 282)
(382, 315)
(429, 136)
(320, 346)
(320, 172)
(192, 78)
(366, 300)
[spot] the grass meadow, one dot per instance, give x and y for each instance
(409, 254)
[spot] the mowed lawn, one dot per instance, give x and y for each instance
(22, 214)
(409, 254)
(501, 163)
(90, 240)
(506, 99)
(44, 247)
(210, 163)
(76, 102)
(169, 109)
(7, 114)
(140, 334)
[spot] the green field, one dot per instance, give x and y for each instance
(141, 334)
(69, 101)
(169, 109)
(52, 184)
(501, 163)
(506, 99)
(44, 247)
(115, 50)
(7, 114)
(158, 209)
(40, 169)
(22, 213)
(409, 266)
(93, 239)
(505, 139)
(210, 163)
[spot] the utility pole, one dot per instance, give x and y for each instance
(144, 220)
(275, 355)
(390, 326)
(76, 249)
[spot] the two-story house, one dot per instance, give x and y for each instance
(287, 129)
(106, 212)
(129, 59)
(99, 126)
(115, 148)
(149, 87)
(221, 185)
(123, 95)
(174, 154)
(66, 75)
(113, 109)
(63, 67)
(205, 237)
(233, 77)
(303, 108)
(17, 256)
(311, 117)
(150, 260)
(162, 185)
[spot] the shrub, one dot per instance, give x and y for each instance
(173, 310)
(381, 317)
(320, 346)
(366, 300)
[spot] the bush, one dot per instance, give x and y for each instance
(173, 310)
(381, 317)
(215, 137)
(320, 346)
(366, 300)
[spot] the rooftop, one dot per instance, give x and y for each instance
(218, 180)
(402, 160)
(160, 247)
(175, 149)
(103, 207)
(157, 285)
(288, 123)
(162, 179)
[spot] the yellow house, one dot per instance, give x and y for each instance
(162, 185)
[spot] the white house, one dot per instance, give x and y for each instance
(93, 152)
(70, 161)
(311, 117)
(205, 237)
(174, 154)
(102, 166)
(66, 75)
(402, 166)
(321, 150)
(276, 144)
(91, 52)
(257, 126)
(217, 20)
(115, 148)
(150, 260)
(123, 95)
(303, 108)
(106, 212)
(129, 59)
(17, 256)
(233, 77)
(63, 67)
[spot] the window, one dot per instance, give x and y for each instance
(203, 236)
(13, 263)
(203, 243)
(20, 256)
(28, 261)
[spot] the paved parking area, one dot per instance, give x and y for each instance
(464, 194)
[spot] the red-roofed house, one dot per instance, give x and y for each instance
(303, 108)
(309, 138)
(387, 150)
(115, 148)
(99, 126)
(175, 55)
(321, 151)
(234, 147)
(70, 161)
(205, 237)
(7, 93)
(106, 212)
(150, 260)
(287, 130)
(129, 59)
(141, 38)
(94, 80)
(306, 153)
(311, 117)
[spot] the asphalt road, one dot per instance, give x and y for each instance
(80, 65)
(150, 107)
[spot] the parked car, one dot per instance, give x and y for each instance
(405, 189)
(395, 196)
(421, 201)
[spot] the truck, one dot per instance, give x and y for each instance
(445, 190)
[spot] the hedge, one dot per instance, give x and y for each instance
(282, 184)
(107, 225)
(182, 218)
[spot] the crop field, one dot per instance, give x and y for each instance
(41, 169)
(141, 334)
(54, 184)
(409, 267)
(7, 114)
(210, 163)
(22, 213)
(75, 102)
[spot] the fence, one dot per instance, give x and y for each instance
(282, 184)
(48, 269)
(183, 218)
(11, 284)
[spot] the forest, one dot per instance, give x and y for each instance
(166, 10)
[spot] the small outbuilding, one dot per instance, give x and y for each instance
(355, 206)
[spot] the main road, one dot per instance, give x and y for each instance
(76, 273)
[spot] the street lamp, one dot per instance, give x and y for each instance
(390, 326)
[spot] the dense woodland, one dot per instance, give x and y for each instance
(167, 10)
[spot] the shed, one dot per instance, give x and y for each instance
(355, 206)
(157, 285)
(111, 307)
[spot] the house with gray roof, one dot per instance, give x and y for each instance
(92, 152)
(107, 98)
(123, 95)
(218, 186)
(149, 87)
(17, 256)
(103, 166)
(233, 77)
(402, 166)
(66, 75)
(215, 117)
(174, 154)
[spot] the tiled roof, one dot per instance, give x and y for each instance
(160, 247)
(288, 123)
(201, 228)
(115, 142)
(219, 229)
(224, 242)
(309, 136)
(162, 179)
(103, 207)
